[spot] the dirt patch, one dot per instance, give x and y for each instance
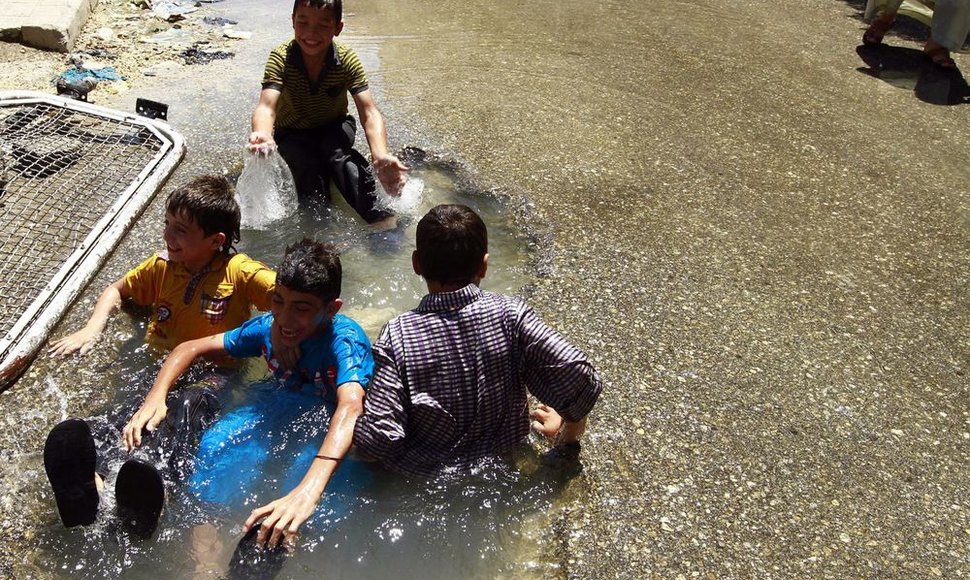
(130, 38)
(27, 68)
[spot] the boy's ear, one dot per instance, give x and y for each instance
(483, 268)
(338, 28)
(219, 239)
(415, 263)
(333, 307)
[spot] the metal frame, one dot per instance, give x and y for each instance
(21, 343)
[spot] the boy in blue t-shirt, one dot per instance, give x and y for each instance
(335, 363)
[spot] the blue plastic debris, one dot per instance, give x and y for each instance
(77, 82)
(76, 74)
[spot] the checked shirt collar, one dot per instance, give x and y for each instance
(450, 301)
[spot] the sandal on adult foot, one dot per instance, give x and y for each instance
(940, 56)
(876, 31)
(69, 460)
(140, 494)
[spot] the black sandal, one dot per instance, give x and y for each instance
(140, 494)
(69, 460)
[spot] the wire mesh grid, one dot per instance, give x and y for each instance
(61, 170)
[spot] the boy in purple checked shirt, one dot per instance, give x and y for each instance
(451, 376)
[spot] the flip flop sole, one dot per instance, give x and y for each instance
(69, 460)
(250, 562)
(140, 495)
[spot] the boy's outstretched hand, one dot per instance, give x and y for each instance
(546, 422)
(391, 173)
(79, 342)
(149, 416)
(282, 518)
(260, 142)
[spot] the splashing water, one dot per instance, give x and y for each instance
(265, 190)
(58, 396)
(408, 203)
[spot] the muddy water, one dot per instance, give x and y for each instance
(492, 522)
(537, 95)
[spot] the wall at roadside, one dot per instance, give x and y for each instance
(49, 25)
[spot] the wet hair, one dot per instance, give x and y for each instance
(336, 7)
(208, 200)
(451, 243)
(312, 267)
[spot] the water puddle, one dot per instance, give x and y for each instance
(378, 281)
(493, 522)
(371, 524)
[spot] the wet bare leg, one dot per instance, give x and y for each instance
(208, 552)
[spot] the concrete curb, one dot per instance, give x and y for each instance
(50, 26)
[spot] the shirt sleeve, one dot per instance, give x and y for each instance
(275, 64)
(379, 432)
(352, 353)
(144, 280)
(556, 372)
(259, 282)
(247, 340)
(356, 77)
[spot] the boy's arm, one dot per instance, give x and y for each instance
(82, 340)
(380, 431)
(390, 170)
(559, 375)
(263, 121)
(550, 424)
(282, 518)
(153, 410)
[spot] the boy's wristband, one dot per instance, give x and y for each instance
(337, 459)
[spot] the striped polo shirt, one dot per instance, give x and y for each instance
(306, 103)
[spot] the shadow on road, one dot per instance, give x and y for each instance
(908, 68)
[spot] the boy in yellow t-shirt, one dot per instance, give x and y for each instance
(198, 287)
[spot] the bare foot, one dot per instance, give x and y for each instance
(939, 54)
(388, 223)
(878, 29)
(207, 552)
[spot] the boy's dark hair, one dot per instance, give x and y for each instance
(336, 7)
(312, 267)
(451, 243)
(209, 201)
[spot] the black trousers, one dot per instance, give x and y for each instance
(171, 447)
(323, 155)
